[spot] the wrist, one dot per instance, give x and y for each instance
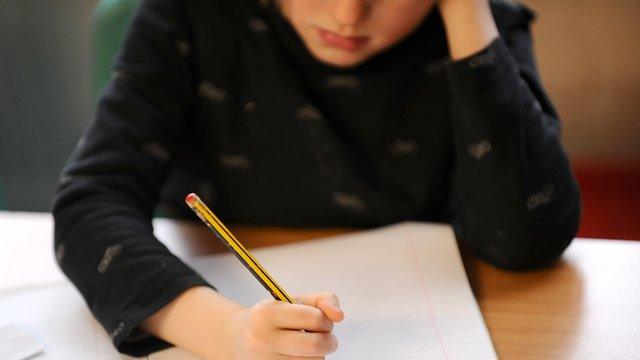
(222, 345)
(196, 321)
(469, 25)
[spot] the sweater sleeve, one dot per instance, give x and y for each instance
(515, 200)
(103, 205)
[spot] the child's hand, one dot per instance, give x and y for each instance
(271, 329)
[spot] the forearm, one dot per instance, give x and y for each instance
(195, 321)
(516, 201)
(469, 25)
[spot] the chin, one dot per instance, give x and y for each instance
(340, 59)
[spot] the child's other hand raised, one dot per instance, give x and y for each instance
(271, 329)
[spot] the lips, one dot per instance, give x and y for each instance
(349, 43)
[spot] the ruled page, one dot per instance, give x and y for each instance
(403, 290)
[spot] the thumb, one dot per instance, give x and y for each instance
(327, 302)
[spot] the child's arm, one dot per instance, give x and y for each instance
(105, 200)
(103, 208)
(515, 200)
(213, 327)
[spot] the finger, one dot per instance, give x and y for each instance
(309, 344)
(328, 302)
(298, 316)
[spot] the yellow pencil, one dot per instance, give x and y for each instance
(222, 233)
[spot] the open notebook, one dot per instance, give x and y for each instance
(403, 290)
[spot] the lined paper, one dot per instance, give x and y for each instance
(403, 290)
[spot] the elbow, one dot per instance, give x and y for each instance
(525, 240)
(537, 241)
(530, 246)
(526, 252)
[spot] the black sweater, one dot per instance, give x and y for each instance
(222, 98)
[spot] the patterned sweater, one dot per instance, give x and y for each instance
(223, 99)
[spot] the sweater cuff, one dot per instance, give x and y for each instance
(129, 339)
(485, 86)
(472, 72)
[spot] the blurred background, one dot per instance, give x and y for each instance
(588, 54)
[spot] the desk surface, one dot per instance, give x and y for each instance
(587, 306)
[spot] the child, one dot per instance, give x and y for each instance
(306, 113)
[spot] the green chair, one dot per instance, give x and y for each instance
(110, 24)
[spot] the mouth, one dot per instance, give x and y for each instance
(348, 43)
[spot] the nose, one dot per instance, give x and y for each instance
(349, 12)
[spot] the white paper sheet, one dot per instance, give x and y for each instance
(403, 290)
